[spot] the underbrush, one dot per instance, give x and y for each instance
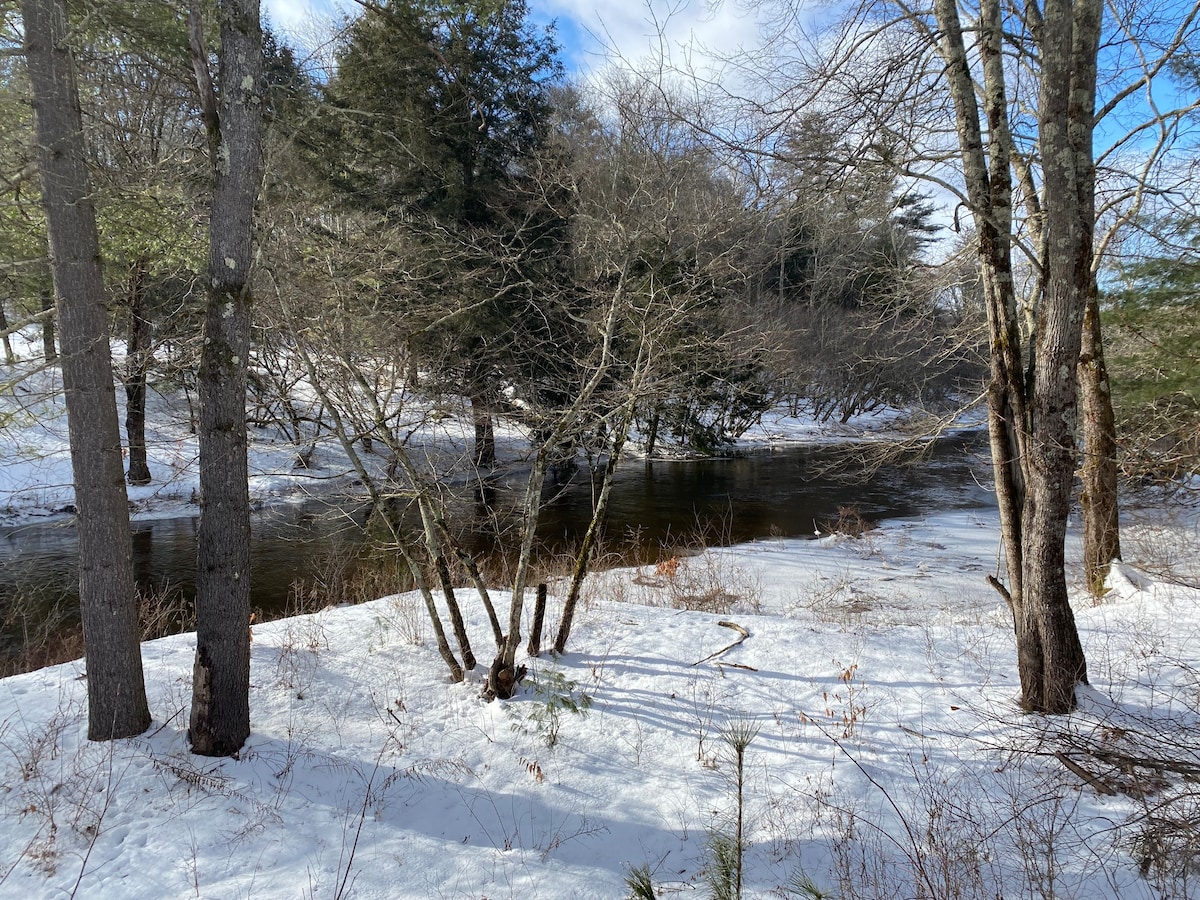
(45, 630)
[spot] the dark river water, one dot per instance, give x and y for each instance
(656, 508)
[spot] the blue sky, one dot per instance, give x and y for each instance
(586, 28)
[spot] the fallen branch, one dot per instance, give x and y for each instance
(726, 624)
(736, 665)
(1089, 778)
(32, 320)
(1126, 761)
(1003, 591)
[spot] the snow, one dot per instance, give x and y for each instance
(888, 754)
(35, 467)
(878, 671)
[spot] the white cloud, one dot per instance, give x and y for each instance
(590, 32)
(637, 32)
(287, 15)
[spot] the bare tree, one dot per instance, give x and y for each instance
(660, 239)
(351, 344)
(998, 107)
(1032, 403)
(220, 717)
(116, 692)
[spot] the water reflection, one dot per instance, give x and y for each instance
(655, 507)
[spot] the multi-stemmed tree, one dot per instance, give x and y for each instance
(1000, 106)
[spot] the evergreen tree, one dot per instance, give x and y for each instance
(434, 120)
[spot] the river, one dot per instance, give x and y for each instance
(657, 507)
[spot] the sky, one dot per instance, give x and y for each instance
(588, 31)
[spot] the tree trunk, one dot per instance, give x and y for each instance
(137, 363)
(456, 670)
(1101, 514)
(652, 433)
(583, 558)
(1032, 440)
(1101, 529)
(503, 675)
(220, 719)
(456, 618)
(49, 348)
(485, 434)
(989, 187)
(437, 555)
(10, 358)
(108, 604)
(1049, 654)
(476, 578)
(534, 647)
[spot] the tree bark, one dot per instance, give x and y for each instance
(49, 345)
(1098, 472)
(1049, 654)
(485, 433)
(108, 605)
(1101, 511)
(220, 718)
(988, 181)
(534, 647)
(137, 364)
(504, 675)
(1031, 412)
(10, 358)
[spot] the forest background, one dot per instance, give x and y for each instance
(888, 209)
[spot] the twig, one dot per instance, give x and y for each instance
(726, 624)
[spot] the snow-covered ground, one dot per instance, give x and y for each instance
(874, 691)
(878, 680)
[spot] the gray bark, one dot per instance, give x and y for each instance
(49, 344)
(990, 193)
(1032, 411)
(1098, 472)
(10, 358)
(116, 691)
(1101, 511)
(220, 719)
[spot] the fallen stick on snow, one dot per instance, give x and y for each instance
(726, 624)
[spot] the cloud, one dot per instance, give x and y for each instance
(591, 34)
(287, 15)
(635, 33)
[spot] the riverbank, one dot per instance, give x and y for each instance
(876, 686)
(869, 681)
(35, 465)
